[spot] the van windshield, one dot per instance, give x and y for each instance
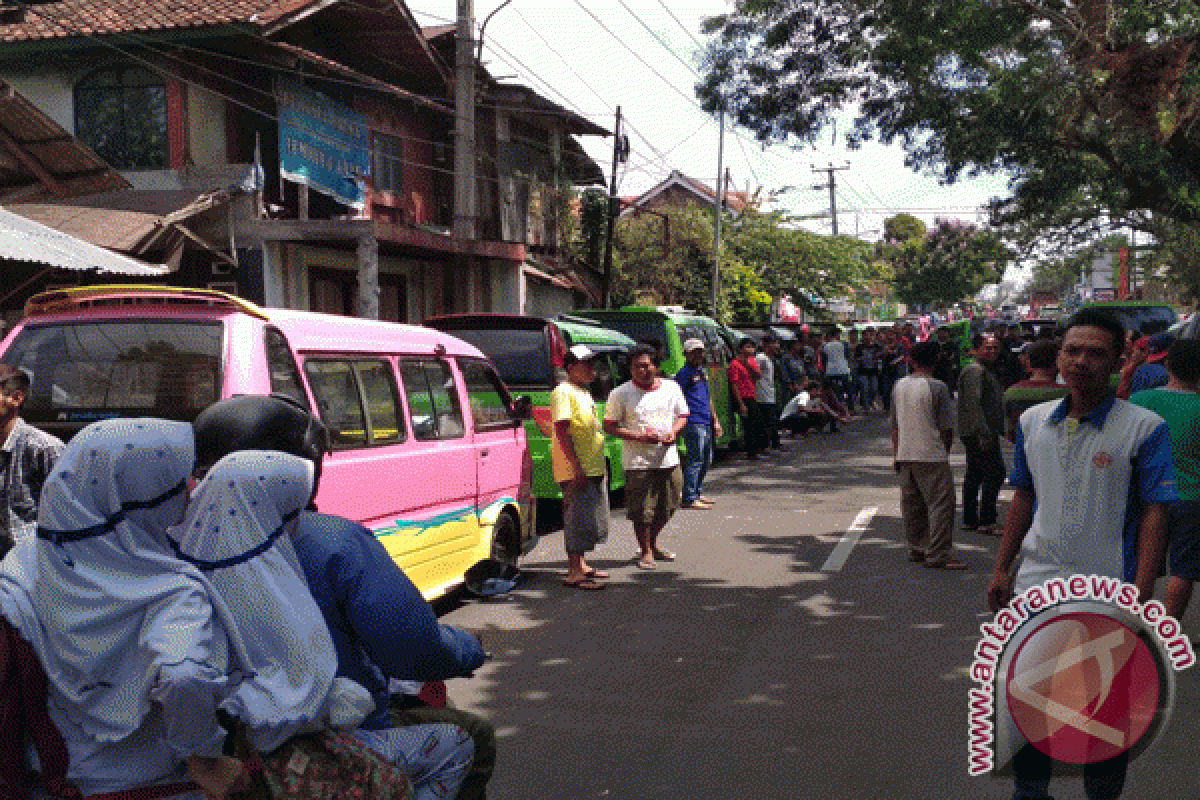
(522, 357)
(81, 372)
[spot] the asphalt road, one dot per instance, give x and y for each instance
(753, 668)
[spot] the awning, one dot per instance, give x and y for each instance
(23, 239)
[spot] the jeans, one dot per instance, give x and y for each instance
(985, 470)
(698, 439)
(754, 430)
(868, 389)
(1103, 781)
(770, 415)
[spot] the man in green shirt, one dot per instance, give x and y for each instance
(577, 455)
(1179, 404)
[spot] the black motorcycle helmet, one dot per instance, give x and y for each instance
(259, 422)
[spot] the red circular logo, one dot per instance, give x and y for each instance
(1084, 687)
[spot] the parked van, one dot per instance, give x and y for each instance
(528, 352)
(669, 327)
(428, 446)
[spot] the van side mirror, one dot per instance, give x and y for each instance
(522, 407)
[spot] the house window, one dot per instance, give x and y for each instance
(388, 167)
(121, 113)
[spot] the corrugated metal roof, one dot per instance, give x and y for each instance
(23, 239)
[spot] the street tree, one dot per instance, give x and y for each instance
(902, 228)
(952, 263)
(1101, 97)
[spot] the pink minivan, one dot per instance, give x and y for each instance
(428, 446)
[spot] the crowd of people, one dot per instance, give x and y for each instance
(168, 586)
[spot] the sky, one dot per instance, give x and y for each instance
(592, 55)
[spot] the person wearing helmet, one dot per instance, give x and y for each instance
(383, 629)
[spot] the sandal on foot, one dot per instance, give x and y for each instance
(643, 563)
(596, 574)
(664, 555)
(586, 584)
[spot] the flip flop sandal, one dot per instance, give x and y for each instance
(596, 574)
(644, 564)
(664, 555)
(586, 584)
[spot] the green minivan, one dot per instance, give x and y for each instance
(528, 353)
(668, 327)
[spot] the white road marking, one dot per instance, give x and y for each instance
(840, 553)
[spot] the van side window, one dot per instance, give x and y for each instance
(383, 405)
(341, 388)
(487, 394)
(285, 376)
(339, 402)
(433, 405)
(606, 378)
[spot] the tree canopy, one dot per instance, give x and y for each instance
(762, 256)
(1098, 98)
(951, 263)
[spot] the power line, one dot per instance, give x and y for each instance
(682, 27)
(658, 39)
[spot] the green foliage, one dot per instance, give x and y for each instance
(952, 263)
(1102, 98)
(589, 241)
(902, 228)
(762, 257)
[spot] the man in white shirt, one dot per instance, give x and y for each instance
(922, 434)
(837, 366)
(765, 391)
(648, 413)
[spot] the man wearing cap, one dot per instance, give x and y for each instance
(577, 456)
(702, 428)
(1144, 369)
(27, 455)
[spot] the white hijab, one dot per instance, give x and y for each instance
(235, 532)
(114, 604)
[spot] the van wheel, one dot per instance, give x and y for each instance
(506, 539)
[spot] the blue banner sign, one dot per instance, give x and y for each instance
(322, 143)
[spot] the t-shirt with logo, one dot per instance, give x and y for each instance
(645, 411)
(570, 403)
(1181, 410)
(693, 382)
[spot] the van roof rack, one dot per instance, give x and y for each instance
(60, 300)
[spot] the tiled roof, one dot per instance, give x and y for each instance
(73, 18)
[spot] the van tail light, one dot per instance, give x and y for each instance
(541, 415)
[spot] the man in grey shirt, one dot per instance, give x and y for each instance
(922, 419)
(26, 457)
(980, 426)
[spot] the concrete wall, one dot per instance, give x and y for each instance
(50, 88)
(544, 300)
(206, 128)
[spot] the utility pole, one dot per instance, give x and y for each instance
(718, 201)
(620, 155)
(464, 127)
(832, 187)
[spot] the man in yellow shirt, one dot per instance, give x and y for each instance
(577, 456)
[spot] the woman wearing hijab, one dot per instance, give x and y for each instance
(238, 533)
(138, 648)
(134, 653)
